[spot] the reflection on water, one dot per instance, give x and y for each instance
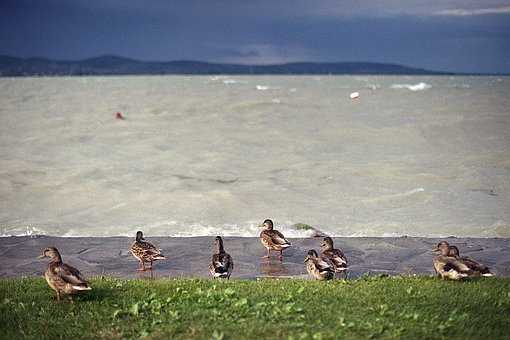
(273, 268)
(148, 274)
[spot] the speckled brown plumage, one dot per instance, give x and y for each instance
(273, 239)
(61, 277)
(317, 267)
(145, 251)
(335, 256)
(476, 267)
(448, 267)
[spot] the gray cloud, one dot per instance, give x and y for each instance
(464, 37)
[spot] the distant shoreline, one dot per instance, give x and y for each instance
(117, 66)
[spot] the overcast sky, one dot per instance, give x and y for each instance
(448, 35)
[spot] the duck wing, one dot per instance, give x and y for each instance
(221, 264)
(278, 238)
(448, 266)
(146, 250)
(322, 265)
(69, 274)
(474, 265)
(336, 257)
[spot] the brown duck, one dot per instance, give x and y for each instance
(273, 239)
(317, 267)
(477, 268)
(447, 266)
(335, 256)
(145, 251)
(61, 277)
(222, 264)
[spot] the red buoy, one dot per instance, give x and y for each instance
(119, 115)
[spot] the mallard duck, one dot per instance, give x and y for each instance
(448, 267)
(335, 256)
(145, 251)
(273, 239)
(477, 268)
(61, 277)
(317, 267)
(222, 264)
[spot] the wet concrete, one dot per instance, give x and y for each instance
(189, 257)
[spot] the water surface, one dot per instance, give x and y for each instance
(217, 155)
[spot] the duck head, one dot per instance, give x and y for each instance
(327, 243)
(218, 243)
(311, 255)
(454, 251)
(268, 224)
(139, 236)
(52, 253)
(443, 248)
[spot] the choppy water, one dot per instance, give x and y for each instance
(218, 155)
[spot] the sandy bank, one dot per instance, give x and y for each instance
(189, 257)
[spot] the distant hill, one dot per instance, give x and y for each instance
(114, 65)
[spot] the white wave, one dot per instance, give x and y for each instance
(26, 231)
(263, 87)
(394, 196)
(172, 228)
(416, 87)
(215, 78)
(229, 81)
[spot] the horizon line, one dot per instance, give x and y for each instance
(431, 71)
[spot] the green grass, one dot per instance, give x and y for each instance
(371, 307)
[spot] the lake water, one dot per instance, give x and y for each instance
(417, 156)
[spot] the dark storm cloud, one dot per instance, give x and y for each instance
(471, 36)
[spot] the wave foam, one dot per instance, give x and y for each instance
(416, 87)
(170, 228)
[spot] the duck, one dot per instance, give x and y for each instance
(478, 268)
(317, 267)
(448, 267)
(61, 277)
(145, 251)
(222, 264)
(273, 239)
(335, 256)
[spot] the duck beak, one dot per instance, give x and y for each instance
(41, 256)
(435, 250)
(306, 259)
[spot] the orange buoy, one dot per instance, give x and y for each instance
(119, 115)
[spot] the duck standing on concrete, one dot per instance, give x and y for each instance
(335, 256)
(145, 251)
(222, 264)
(61, 277)
(317, 267)
(273, 239)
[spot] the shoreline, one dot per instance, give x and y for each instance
(188, 257)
